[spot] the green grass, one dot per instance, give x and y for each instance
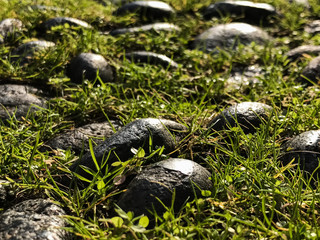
(254, 197)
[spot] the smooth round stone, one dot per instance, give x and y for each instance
(86, 65)
(247, 9)
(244, 77)
(134, 135)
(151, 58)
(60, 21)
(18, 100)
(36, 219)
(313, 27)
(300, 51)
(304, 149)
(77, 140)
(168, 27)
(159, 180)
(150, 9)
(249, 115)
(228, 36)
(311, 72)
(9, 27)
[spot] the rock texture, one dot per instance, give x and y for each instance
(151, 58)
(311, 72)
(60, 21)
(244, 77)
(6, 193)
(249, 115)
(300, 51)
(86, 65)
(228, 36)
(37, 219)
(9, 27)
(159, 181)
(313, 27)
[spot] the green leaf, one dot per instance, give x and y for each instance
(144, 221)
(116, 164)
(117, 221)
(141, 153)
(100, 184)
(138, 228)
(130, 215)
(206, 193)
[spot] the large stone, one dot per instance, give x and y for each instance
(151, 58)
(247, 115)
(302, 50)
(153, 10)
(311, 72)
(60, 21)
(159, 180)
(9, 27)
(134, 135)
(36, 219)
(229, 36)
(246, 9)
(86, 65)
(18, 100)
(157, 27)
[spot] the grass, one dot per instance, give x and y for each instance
(254, 196)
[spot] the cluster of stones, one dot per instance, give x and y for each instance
(153, 187)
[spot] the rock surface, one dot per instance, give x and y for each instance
(36, 219)
(300, 51)
(249, 115)
(60, 21)
(311, 72)
(5, 192)
(86, 66)
(160, 180)
(313, 27)
(9, 27)
(244, 77)
(228, 36)
(151, 58)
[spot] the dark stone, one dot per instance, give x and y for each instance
(304, 149)
(77, 140)
(151, 58)
(244, 77)
(152, 10)
(249, 115)
(300, 51)
(247, 9)
(9, 27)
(311, 72)
(86, 65)
(18, 100)
(60, 21)
(159, 180)
(134, 135)
(157, 27)
(228, 36)
(3, 192)
(313, 27)
(36, 219)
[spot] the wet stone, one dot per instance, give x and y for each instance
(77, 140)
(86, 65)
(151, 58)
(249, 115)
(18, 100)
(313, 27)
(36, 219)
(311, 72)
(228, 36)
(60, 21)
(160, 180)
(246, 9)
(8, 27)
(157, 27)
(152, 10)
(134, 135)
(244, 77)
(302, 50)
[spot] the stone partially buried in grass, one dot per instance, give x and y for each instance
(33, 219)
(159, 180)
(229, 36)
(311, 73)
(299, 52)
(151, 58)
(86, 65)
(247, 115)
(61, 21)
(9, 27)
(313, 27)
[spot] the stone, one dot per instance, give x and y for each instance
(249, 115)
(304, 149)
(134, 135)
(4, 192)
(152, 10)
(44, 8)
(151, 58)
(157, 27)
(9, 27)
(246, 9)
(36, 219)
(311, 72)
(159, 180)
(240, 77)
(86, 65)
(18, 100)
(77, 140)
(304, 3)
(313, 27)
(302, 50)
(228, 36)
(60, 21)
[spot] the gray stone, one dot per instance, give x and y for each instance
(300, 51)
(304, 3)
(151, 58)
(9, 27)
(77, 140)
(228, 36)
(249, 115)
(313, 27)
(246, 9)
(4, 192)
(18, 100)
(44, 8)
(153, 10)
(86, 65)
(134, 135)
(157, 27)
(159, 180)
(311, 72)
(60, 21)
(240, 78)
(36, 219)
